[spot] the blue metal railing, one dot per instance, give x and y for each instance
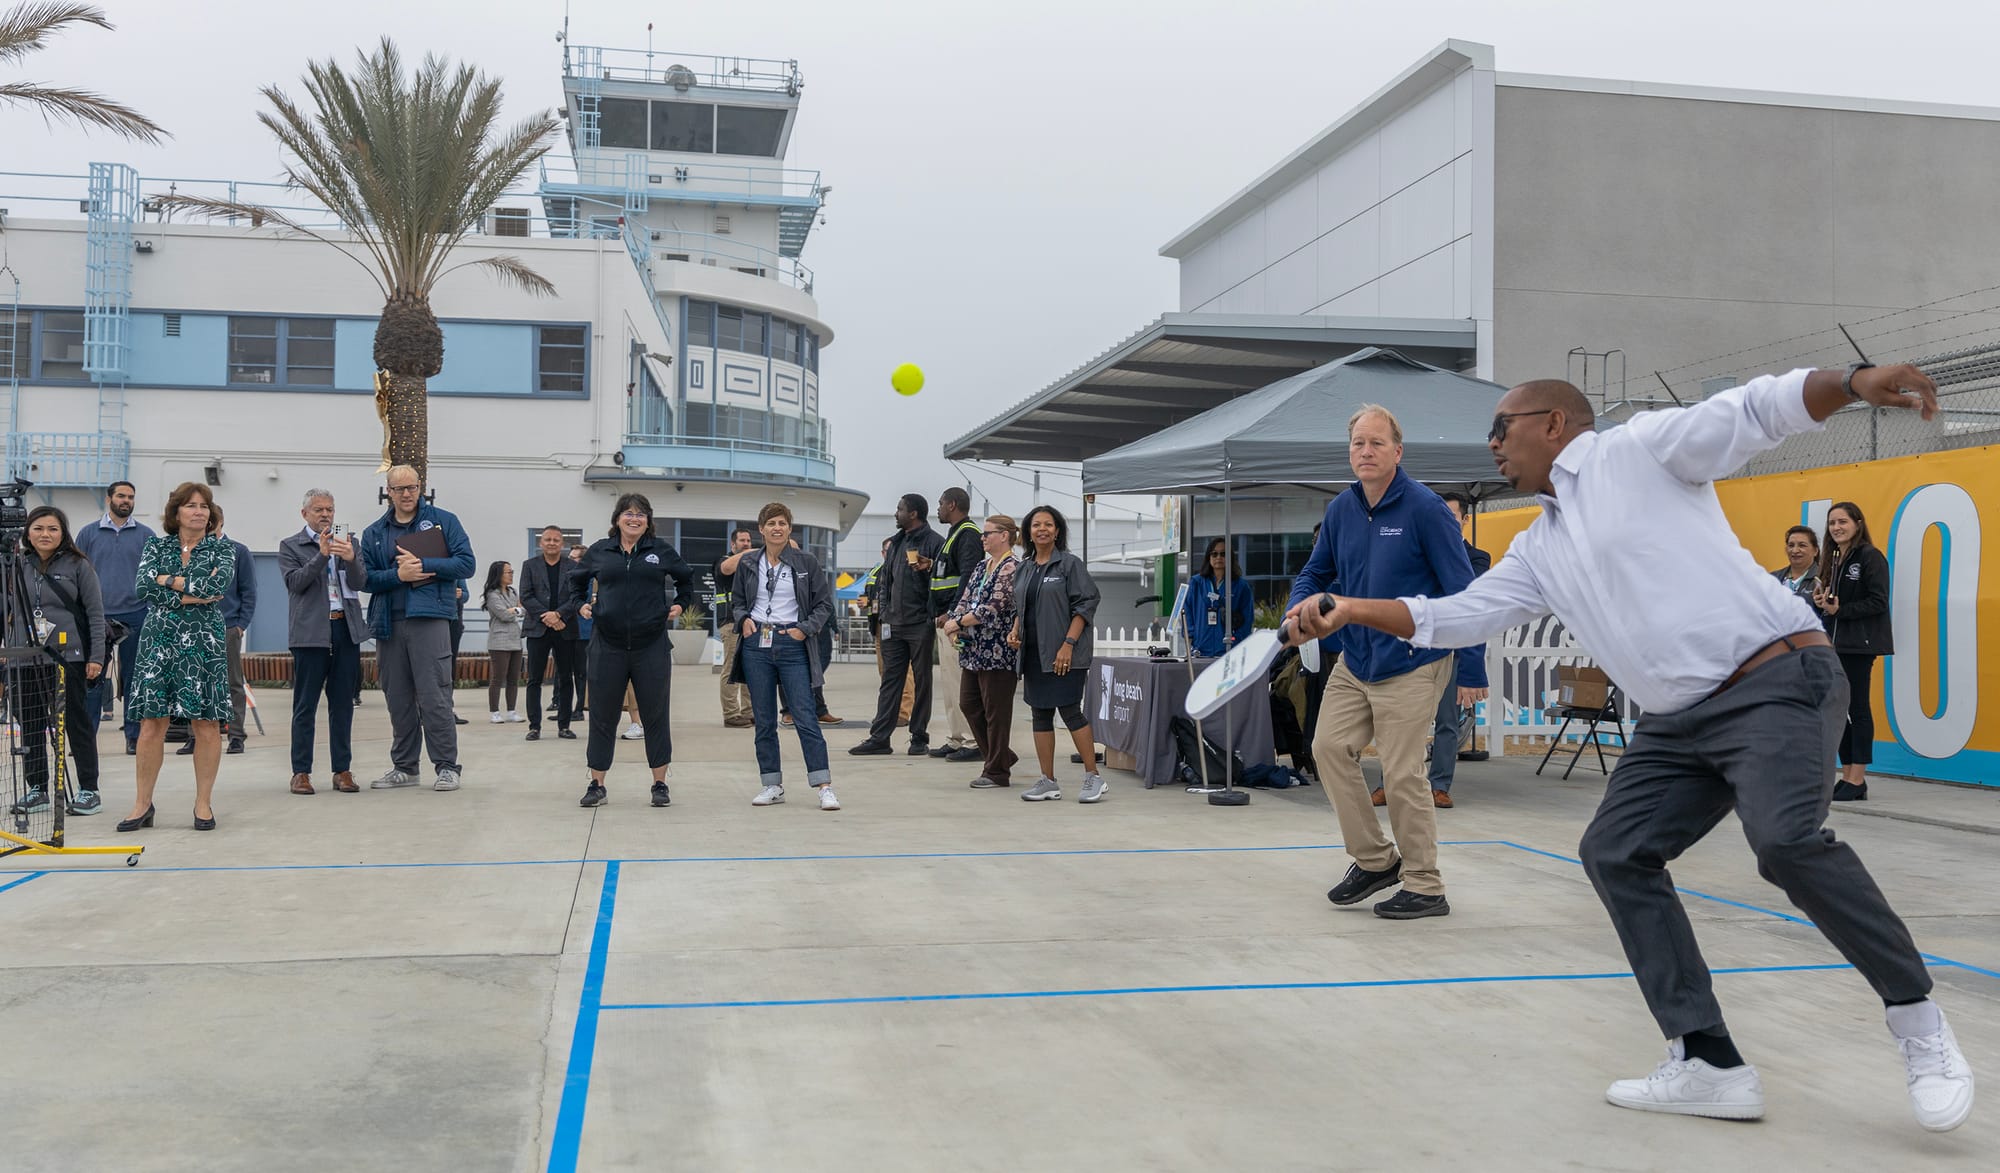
(683, 70)
(607, 173)
(59, 460)
(649, 419)
(589, 90)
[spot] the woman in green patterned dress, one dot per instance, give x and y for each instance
(182, 668)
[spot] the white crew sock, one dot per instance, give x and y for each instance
(1914, 1019)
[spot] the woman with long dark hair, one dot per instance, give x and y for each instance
(503, 642)
(1213, 629)
(183, 667)
(630, 642)
(1853, 596)
(64, 591)
(1056, 601)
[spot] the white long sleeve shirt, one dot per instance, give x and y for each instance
(1634, 555)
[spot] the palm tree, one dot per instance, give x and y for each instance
(406, 165)
(29, 27)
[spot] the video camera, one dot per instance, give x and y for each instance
(14, 514)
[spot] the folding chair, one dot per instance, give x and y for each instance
(1593, 718)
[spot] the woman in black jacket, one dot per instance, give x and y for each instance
(1853, 595)
(630, 643)
(64, 592)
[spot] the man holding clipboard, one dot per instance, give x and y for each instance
(413, 556)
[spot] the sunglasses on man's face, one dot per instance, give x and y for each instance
(1499, 431)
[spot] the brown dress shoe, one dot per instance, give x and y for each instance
(1378, 798)
(302, 784)
(344, 782)
(1441, 800)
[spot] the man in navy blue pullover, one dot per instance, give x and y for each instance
(1386, 533)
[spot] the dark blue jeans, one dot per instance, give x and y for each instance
(335, 671)
(782, 666)
(128, 659)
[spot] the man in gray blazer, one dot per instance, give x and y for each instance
(325, 633)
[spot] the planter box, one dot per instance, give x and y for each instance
(687, 644)
(274, 669)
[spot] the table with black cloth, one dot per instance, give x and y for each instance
(1130, 700)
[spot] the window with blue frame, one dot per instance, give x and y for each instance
(280, 352)
(559, 358)
(308, 352)
(16, 347)
(62, 346)
(701, 323)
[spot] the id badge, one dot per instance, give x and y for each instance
(764, 637)
(1212, 618)
(885, 631)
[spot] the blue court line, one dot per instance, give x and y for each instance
(583, 1043)
(22, 880)
(329, 867)
(1118, 991)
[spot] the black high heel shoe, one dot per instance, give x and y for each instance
(145, 820)
(207, 824)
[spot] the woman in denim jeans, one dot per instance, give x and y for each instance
(980, 622)
(779, 602)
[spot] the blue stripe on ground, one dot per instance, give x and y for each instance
(22, 880)
(583, 1044)
(1122, 991)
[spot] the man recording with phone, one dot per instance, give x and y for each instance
(325, 633)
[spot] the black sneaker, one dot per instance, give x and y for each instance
(1407, 905)
(941, 751)
(187, 747)
(533, 735)
(965, 753)
(1360, 883)
(920, 749)
(1849, 792)
(593, 795)
(85, 802)
(565, 734)
(131, 747)
(36, 799)
(660, 797)
(870, 746)
(235, 745)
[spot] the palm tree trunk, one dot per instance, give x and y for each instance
(409, 423)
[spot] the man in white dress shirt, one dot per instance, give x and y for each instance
(1744, 702)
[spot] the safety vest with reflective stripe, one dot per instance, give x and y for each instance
(944, 560)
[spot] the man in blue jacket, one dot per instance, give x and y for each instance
(412, 603)
(1388, 536)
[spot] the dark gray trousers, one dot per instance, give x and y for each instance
(1765, 748)
(414, 663)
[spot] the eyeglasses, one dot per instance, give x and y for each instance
(1500, 419)
(404, 488)
(640, 514)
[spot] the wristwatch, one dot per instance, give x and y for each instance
(1070, 640)
(1847, 381)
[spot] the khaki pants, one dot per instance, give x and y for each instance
(735, 697)
(1396, 715)
(958, 734)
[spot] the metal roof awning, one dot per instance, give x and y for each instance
(1184, 364)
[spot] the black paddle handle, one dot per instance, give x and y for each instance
(1285, 628)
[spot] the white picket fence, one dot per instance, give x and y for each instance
(1129, 641)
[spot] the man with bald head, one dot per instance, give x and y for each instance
(1386, 534)
(1744, 702)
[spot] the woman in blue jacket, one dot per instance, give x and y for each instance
(1210, 631)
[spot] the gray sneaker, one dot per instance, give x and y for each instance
(1043, 790)
(85, 802)
(447, 779)
(393, 780)
(1094, 787)
(36, 799)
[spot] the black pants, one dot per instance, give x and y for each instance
(337, 671)
(901, 654)
(540, 649)
(1765, 749)
(1857, 740)
(37, 702)
(580, 677)
(650, 672)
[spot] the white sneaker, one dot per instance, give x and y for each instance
(447, 779)
(515, 716)
(1690, 1087)
(633, 732)
(827, 802)
(1940, 1080)
(393, 780)
(769, 796)
(495, 719)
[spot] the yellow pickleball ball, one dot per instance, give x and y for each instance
(907, 379)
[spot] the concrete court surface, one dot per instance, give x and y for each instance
(932, 978)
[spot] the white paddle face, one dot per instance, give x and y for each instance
(1245, 665)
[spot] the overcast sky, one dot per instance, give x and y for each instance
(1004, 173)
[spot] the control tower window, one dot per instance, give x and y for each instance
(621, 122)
(684, 126)
(747, 130)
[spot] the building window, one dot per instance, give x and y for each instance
(253, 350)
(684, 126)
(784, 340)
(728, 327)
(309, 352)
(698, 421)
(748, 130)
(621, 122)
(62, 346)
(811, 361)
(753, 334)
(701, 323)
(559, 358)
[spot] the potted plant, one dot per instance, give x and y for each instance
(689, 633)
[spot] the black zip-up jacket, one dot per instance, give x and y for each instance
(905, 591)
(1861, 627)
(632, 593)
